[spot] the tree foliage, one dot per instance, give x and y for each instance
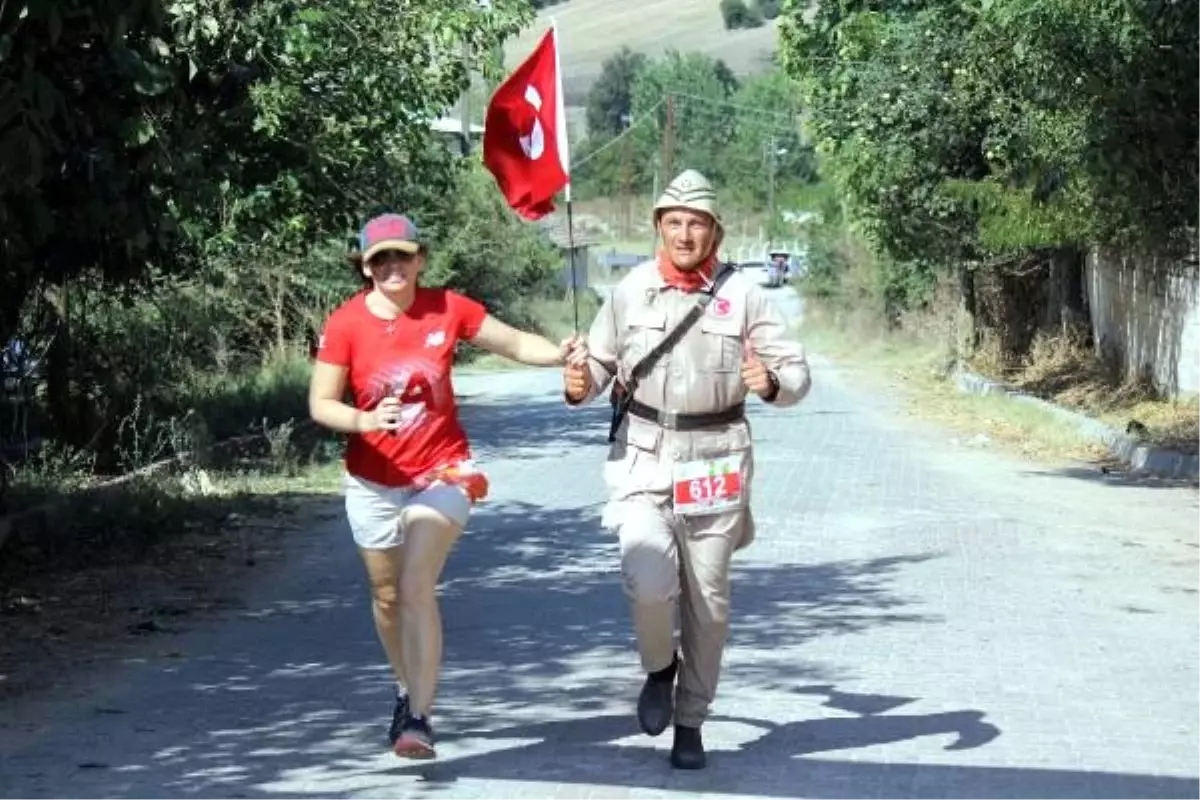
(1102, 116)
(740, 14)
(962, 128)
(769, 9)
(768, 138)
(138, 134)
(179, 182)
(610, 100)
(694, 107)
(691, 89)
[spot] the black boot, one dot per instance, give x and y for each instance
(688, 750)
(656, 704)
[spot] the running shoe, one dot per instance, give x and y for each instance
(416, 739)
(399, 714)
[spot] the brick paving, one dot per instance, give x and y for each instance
(916, 619)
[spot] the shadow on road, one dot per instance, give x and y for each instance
(537, 628)
(525, 428)
(540, 679)
(586, 751)
(1119, 478)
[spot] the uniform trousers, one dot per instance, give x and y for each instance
(679, 564)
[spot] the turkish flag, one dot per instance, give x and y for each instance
(525, 134)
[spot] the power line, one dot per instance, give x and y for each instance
(739, 106)
(777, 122)
(628, 129)
(707, 106)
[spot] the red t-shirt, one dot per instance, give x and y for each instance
(410, 357)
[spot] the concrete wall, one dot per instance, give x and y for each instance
(1146, 317)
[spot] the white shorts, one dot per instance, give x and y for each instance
(376, 512)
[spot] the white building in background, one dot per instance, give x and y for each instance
(450, 131)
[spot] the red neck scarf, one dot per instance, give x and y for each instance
(692, 280)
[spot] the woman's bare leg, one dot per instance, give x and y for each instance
(428, 538)
(384, 568)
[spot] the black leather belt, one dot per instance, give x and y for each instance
(675, 421)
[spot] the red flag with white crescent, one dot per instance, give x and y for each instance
(525, 133)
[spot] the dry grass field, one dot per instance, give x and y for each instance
(592, 30)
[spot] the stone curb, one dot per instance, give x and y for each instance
(1140, 458)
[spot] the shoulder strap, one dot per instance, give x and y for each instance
(644, 367)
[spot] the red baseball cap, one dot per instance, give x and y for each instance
(389, 232)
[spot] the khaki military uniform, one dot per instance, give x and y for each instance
(668, 558)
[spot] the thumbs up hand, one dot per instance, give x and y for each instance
(755, 374)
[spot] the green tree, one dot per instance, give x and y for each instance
(770, 9)
(768, 138)
(1095, 117)
(963, 128)
(738, 14)
(79, 174)
(133, 135)
(601, 164)
(197, 164)
(968, 134)
(719, 125)
(878, 85)
(610, 100)
(691, 91)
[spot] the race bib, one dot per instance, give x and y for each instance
(708, 486)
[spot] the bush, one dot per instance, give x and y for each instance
(128, 376)
(484, 250)
(845, 273)
(737, 14)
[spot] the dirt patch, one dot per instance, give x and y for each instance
(76, 606)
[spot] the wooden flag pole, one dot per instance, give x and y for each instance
(560, 124)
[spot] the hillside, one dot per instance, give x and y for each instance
(591, 30)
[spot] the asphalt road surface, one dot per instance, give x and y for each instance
(916, 619)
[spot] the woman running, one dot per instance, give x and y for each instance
(409, 481)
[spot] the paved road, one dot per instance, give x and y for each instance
(915, 620)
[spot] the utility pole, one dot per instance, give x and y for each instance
(654, 199)
(466, 101)
(465, 110)
(669, 139)
(771, 187)
(626, 179)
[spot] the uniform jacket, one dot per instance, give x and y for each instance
(701, 374)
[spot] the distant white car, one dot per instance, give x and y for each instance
(765, 273)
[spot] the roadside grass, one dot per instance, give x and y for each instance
(92, 564)
(1062, 370)
(92, 573)
(199, 412)
(916, 362)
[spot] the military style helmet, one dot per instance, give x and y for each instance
(693, 191)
